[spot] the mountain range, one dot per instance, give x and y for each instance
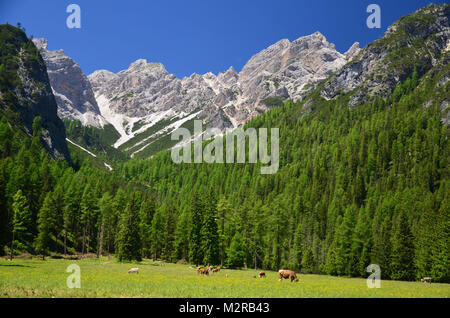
(144, 103)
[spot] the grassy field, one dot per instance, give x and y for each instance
(108, 278)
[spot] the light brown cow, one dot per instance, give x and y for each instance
(133, 270)
(216, 270)
(262, 274)
(204, 271)
(287, 274)
(426, 280)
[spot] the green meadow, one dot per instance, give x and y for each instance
(109, 278)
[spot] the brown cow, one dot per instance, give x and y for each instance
(216, 270)
(262, 274)
(287, 274)
(204, 271)
(426, 280)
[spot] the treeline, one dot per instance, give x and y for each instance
(47, 207)
(356, 186)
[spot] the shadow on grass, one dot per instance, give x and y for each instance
(15, 265)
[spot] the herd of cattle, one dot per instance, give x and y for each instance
(282, 273)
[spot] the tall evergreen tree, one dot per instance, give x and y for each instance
(195, 239)
(209, 232)
(236, 253)
(403, 250)
(145, 226)
(21, 220)
(46, 226)
(129, 246)
(157, 233)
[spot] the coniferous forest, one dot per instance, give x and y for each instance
(357, 185)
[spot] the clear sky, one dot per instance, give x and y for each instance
(198, 36)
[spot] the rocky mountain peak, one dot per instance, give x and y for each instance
(72, 89)
(353, 51)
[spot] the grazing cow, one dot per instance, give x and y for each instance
(133, 270)
(204, 271)
(216, 270)
(262, 274)
(426, 280)
(287, 274)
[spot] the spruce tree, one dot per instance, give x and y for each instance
(145, 226)
(403, 250)
(209, 232)
(236, 253)
(441, 247)
(21, 220)
(168, 211)
(129, 245)
(46, 224)
(344, 242)
(157, 233)
(309, 262)
(182, 237)
(195, 239)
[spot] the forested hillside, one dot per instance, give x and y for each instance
(356, 186)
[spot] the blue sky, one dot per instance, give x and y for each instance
(198, 36)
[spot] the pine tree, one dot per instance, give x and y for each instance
(88, 210)
(309, 262)
(403, 250)
(298, 246)
(330, 265)
(46, 224)
(223, 211)
(106, 209)
(441, 248)
(169, 230)
(182, 237)
(382, 247)
(21, 220)
(195, 239)
(145, 226)
(209, 233)
(129, 245)
(426, 238)
(236, 253)
(344, 242)
(157, 233)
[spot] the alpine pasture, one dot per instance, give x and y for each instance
(105, 277)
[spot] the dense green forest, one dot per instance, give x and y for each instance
(356, 186)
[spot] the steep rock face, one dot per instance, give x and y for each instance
(422, 36)
(137, 98)
(286, 70)
(72, 89)
(26, 89)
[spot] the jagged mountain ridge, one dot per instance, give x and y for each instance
(145, 103)
(72, 89)
(146, 93)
